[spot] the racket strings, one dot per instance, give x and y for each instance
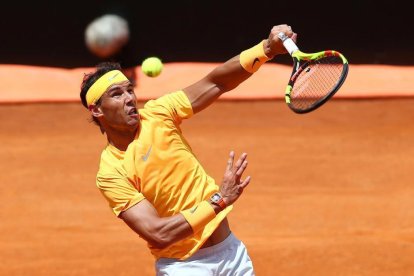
(316, 81)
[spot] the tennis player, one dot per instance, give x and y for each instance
(153, 181)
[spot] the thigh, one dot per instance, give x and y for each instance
(236, 261)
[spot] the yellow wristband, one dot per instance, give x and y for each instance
(251, 59)
(199, 215)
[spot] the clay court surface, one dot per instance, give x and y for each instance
(332, 191)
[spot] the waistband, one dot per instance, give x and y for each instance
(215, 248)
(207, 251)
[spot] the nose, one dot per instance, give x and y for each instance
(129, 98)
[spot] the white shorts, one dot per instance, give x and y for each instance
(226, 258)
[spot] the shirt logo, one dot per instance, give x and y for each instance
(145, 157)
(193, 210)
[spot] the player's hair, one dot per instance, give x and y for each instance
(90, 78)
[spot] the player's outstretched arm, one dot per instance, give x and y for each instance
(230, 74)
(161, 232)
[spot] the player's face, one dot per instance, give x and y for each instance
(119, 107)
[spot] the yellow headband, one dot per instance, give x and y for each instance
(102, 84)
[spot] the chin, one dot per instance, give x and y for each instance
(133, 122)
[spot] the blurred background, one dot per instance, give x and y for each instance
(332, 192)
(51, 33)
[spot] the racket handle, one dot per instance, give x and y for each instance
(288, 43)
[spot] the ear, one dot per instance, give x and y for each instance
(95, 110)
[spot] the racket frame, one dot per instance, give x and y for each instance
(308, 58)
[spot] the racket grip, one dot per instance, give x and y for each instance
(288, 43)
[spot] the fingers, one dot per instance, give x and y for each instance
(230, 161)
(289, 31)
(232, 187)
(243, 185)
(294, 37)
(239, 163)
(241, 169)
(241, 160)
(286, 29)
(245, 182)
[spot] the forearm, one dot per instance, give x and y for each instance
(158, 232)
(226, 77)
(235, 71)
(223, 78)
(169, 230)
(161, 232)
(175, 228)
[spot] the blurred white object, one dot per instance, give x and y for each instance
(106, 35)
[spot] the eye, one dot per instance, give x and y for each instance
(116, 94)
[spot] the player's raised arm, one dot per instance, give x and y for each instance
(229, 75)
(161, 232)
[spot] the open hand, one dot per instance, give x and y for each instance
(232, 186)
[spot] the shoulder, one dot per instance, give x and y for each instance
(174, 104)
(111, 161)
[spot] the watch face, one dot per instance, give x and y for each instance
(215, 197)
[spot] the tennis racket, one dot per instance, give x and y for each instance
(315, 78)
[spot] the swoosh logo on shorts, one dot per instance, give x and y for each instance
(145, 157)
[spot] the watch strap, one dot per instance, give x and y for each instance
(217, 199)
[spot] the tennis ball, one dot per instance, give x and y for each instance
(152, 66)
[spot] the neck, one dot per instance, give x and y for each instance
(121, 139)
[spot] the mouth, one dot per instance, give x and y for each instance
(133, 112)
